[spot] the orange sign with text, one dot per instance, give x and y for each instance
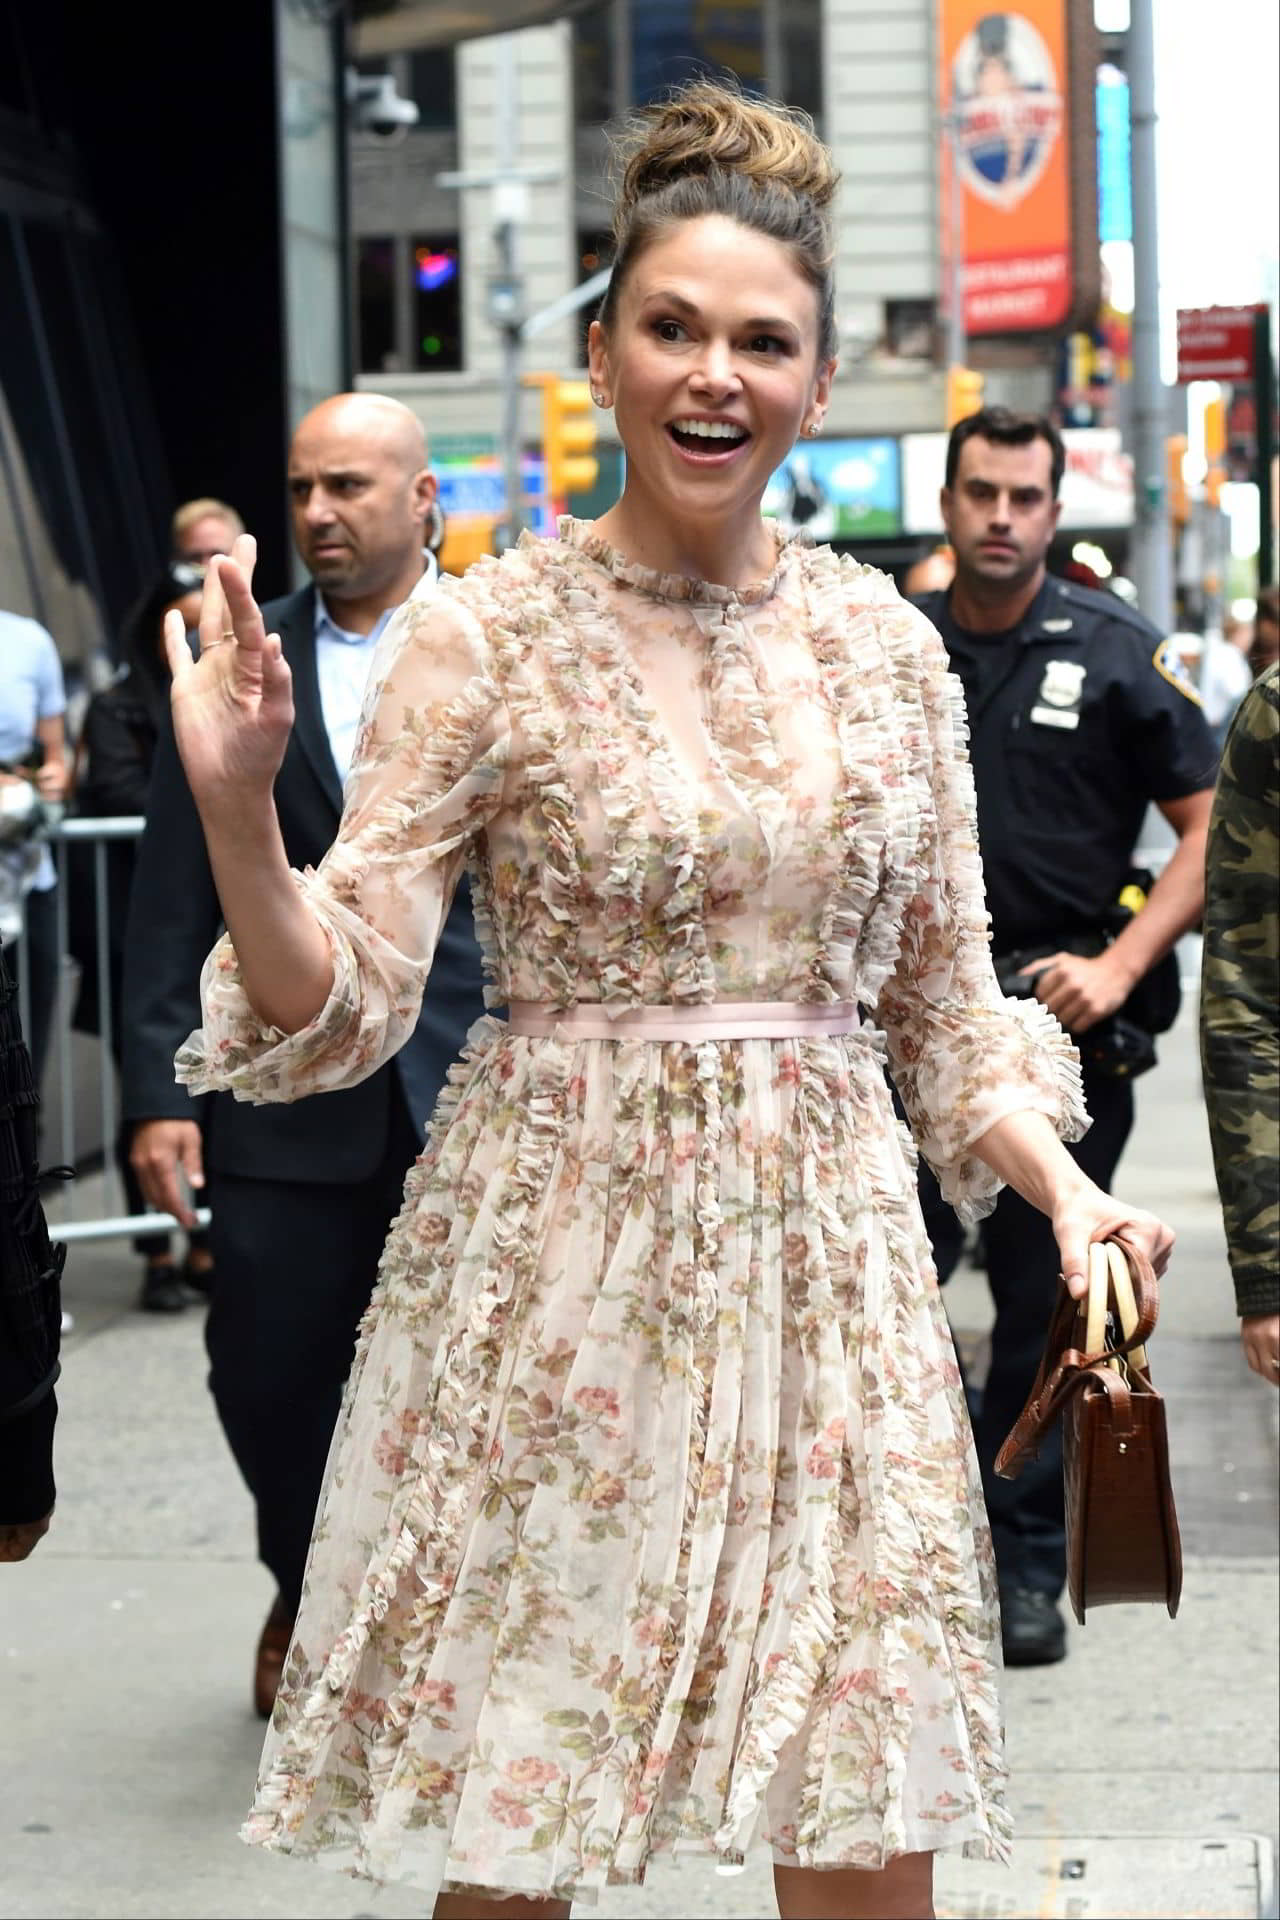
(1003, 85)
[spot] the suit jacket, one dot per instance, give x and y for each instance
(174, 919)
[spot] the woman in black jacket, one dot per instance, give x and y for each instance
(118, 744)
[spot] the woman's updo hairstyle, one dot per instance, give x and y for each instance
(710, 149)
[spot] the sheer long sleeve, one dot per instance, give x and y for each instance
(427, 775)
(962, 1056)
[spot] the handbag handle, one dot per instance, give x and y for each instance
(1126, 1303)
(1111, 1281)
(1115, 1265)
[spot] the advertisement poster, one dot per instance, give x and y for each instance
(838, 489)
(474, 490)
(1003, 82)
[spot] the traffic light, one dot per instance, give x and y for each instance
(1179, 503)
(1215, 430)
(568, 434)
(964, 393)
(1215, 449)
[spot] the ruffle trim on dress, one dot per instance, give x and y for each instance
(857, 942)
(622, 885)
(690, 973)
(238, 1052)
(1042, 1073)
(582, 535)
(756, 767)
(560, 875)
(427, 1521)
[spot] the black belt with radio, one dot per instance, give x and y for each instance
(1122, 1045)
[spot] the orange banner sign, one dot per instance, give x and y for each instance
(1003, 83)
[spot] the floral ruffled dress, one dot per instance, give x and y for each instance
(652, 1521)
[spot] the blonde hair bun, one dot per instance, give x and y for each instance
(709, 127)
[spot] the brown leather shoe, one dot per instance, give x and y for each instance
(272, 1648)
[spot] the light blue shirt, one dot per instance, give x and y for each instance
(343, 660)
(31, 690)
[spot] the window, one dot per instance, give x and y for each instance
(677, 40)
(437, 304)
(594, 52)
(911, 329)
(376, 304)
(799, 43)
(431, 82)
(630, 52)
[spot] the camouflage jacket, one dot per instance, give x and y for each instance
(1240, 994)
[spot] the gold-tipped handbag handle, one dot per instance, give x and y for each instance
(1095, 1337)
(1126, 1304)
(1109, 1274)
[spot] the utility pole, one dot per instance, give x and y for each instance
(957, 341)
(1264, 406)
(510, 210)
(1152, 544)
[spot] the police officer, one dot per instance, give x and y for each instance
(1079, 717)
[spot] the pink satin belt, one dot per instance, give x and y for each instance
(714, 1020)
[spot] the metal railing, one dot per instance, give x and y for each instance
(73, 1057)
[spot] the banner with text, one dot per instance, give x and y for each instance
(1003, 84)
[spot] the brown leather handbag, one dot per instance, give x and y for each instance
(1122, 1529)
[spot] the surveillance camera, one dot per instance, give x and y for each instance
(375, 107)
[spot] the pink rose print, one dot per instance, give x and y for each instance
(390, 1453)
(862, 1681)
(823, 1460)
(650, 1630)
(530, 1771)
(507, 1810)
(436, 1693)
(597, 1400)
(606, 1490)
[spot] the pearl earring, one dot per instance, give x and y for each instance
(813, 429)
(597, 397)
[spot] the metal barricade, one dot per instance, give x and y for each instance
(72, 1061)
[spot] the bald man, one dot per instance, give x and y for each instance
(301, 1195)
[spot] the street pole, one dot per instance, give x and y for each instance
(957, 342)
(510, 184)
(1152, 546)
(1264, 404)
(510, 206)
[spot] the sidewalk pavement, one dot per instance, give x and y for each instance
(1143, 1771)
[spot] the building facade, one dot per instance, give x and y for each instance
(867, 72)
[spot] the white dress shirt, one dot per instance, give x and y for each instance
(343, 660)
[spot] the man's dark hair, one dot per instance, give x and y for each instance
(1005, 428)
(1269, 606)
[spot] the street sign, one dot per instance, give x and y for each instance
(1215, 343)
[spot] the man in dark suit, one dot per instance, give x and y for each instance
(302, 1196)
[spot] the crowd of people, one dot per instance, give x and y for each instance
(672, 811)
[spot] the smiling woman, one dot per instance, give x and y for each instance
(653, 1523)
(715, 342)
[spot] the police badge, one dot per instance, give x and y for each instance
(1058, 701)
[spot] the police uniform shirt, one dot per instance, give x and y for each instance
(1079, 717)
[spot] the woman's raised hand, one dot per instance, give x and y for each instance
(233, 707)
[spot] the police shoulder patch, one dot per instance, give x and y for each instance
(1169, 664)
